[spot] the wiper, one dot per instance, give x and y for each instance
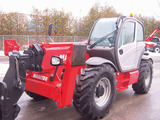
(101, 39)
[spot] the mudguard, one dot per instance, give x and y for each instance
(146, 56)
(96, 61)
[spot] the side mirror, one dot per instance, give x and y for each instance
(50, 29)
(56, 61)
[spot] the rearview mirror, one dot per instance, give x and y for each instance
(50, 29)
(56, 61)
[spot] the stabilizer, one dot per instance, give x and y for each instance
(14, 82)
(12, 88)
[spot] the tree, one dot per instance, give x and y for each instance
(35, 26)
(149, 23)
(2, 23)
(46, 20)
(12, 24)
(85, 24)
(41, 20)
(62, 22)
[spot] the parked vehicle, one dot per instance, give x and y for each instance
(153, 43)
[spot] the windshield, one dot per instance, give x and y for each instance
(103, 27)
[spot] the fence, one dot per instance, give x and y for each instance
(25, 40)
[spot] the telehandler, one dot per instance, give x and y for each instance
(153, 43)
(89, 74)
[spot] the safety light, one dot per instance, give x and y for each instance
(131, 14)
(55, 61)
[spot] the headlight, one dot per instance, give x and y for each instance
(55, 61)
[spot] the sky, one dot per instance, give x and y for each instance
(80, 8)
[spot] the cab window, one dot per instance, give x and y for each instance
(127, 34)
(140, 33)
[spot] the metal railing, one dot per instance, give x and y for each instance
(25, 40)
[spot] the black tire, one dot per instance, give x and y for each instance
(157, 49)
(35, 96)
(145, 78)
(89, 92)
(0, 111)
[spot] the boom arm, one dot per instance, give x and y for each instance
(14, 82)
(153, 34)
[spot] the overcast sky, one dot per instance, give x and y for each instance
(80, 8)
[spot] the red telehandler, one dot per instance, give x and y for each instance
(89, 74)
(153, 43)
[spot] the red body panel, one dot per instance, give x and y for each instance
(126, 79)
(10, 45)
(150, 45)
(60, 89)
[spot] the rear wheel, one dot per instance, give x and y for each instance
(145, 78)
(157, 49)
(35, 96)
(95, 92)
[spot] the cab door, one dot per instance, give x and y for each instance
(140, 44)
(127, 46)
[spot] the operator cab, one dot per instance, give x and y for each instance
(119, 40)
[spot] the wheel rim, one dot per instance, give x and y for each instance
(105, 86)
(147, 80)
(157, 50)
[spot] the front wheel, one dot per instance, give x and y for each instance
(95, 92)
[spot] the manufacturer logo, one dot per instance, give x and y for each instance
(64, 57)
(40, 77)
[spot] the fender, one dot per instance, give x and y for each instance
(147, 57)
(96, 61)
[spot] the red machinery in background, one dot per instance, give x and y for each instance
(153, 43)
(153, 34)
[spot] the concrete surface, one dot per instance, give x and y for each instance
(127, 106)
